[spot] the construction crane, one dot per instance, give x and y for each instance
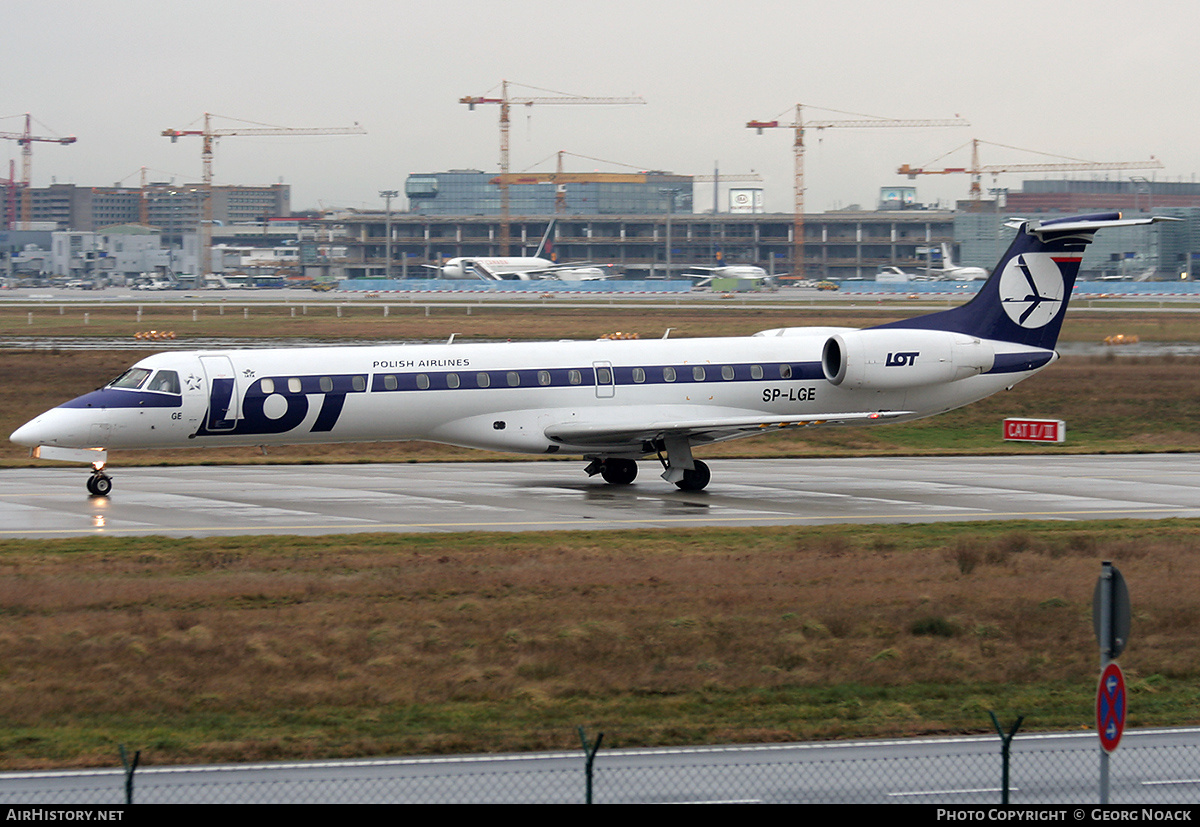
(26, 140)
(856, 122)
(505, 102)
(10, 196)
(976, 170)
(717, 178)
(210, 137)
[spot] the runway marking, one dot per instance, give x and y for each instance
(584, 522)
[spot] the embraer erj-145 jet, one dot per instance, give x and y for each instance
(613, 402)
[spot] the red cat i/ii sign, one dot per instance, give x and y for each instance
(1035, 430)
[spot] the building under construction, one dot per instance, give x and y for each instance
(175, 209)
(472, 192)
(838, 245)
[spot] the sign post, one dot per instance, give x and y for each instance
(1110, 618)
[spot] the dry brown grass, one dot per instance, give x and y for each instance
(171, 633)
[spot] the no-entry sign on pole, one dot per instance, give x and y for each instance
(1111, 707)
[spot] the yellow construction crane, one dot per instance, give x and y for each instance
(506, 102)
(976, 170)
(26, 140)
(856, 122)
(210, 136)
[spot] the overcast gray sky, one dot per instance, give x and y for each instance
(1098, 80)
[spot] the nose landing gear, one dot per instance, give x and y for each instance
(99, 484)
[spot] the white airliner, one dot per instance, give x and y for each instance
(611, 401)
(523, 268)
(750, 272)
(952, 272)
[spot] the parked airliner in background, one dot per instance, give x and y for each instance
(523, 268)
(749, 272)
(611, 401)
(952, 272)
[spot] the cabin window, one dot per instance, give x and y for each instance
(422, 381)
(727, 372)
(698, 373)
(359, 383)
(268, 386)
(639, 375)
(390, 383)
(785, 371)
(574, 377)
(604, 376)
(132, 378)
(756, 372)
(326, 384)
(513, 378)
(294, 385)
(482, 380)
(452, 380)
(166, 381)
(668, 374)
(543, 377)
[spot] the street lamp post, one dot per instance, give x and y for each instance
(387, 196)
(671, 194)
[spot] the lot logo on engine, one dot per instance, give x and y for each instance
(1031, 289)
(900, 359)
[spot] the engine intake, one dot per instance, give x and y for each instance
(895, 359)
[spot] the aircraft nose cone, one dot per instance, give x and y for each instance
(54, 427)
(29, 434)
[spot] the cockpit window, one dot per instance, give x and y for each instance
(166, 381)
(132, 378)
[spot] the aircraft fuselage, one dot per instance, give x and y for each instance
(496, 396)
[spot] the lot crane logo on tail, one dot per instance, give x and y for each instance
(1031, 289)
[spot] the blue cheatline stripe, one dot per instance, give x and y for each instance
(121, 398)
(586, 376)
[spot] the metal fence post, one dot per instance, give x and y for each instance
(590, 760)
(129, 770)
(1005, 753)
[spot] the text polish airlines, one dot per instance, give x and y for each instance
(611, 401)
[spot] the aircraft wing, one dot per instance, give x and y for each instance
(697, 423)
(556, 271)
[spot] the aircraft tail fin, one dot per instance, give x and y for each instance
(1025, 298)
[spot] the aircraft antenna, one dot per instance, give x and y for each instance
(799, 125)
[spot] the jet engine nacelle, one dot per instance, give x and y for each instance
(895, 359)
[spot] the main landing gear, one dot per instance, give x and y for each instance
(99, 484)
(694, 479)
(618, 471)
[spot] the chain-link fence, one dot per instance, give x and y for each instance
(1150, 768)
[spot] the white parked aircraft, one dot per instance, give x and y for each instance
(520, 268)
(952, 272)
(749, 272)
(523, 268)
(611, 401)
